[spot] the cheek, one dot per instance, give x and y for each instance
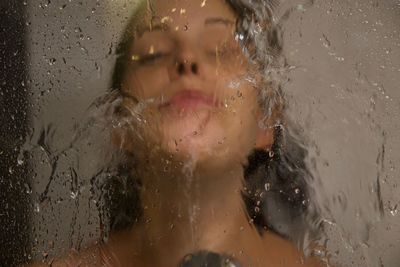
(241, 119)
(142, 84)
(238, 94)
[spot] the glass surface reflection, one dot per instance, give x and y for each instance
(208, 172)
(201, 132)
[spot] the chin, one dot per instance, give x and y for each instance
(215, 143)
(192, 137)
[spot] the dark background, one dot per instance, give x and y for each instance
(14, 201)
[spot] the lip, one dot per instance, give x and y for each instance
(190, 99)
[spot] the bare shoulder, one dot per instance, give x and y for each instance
(283, 251)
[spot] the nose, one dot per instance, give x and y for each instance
(185, 67)
(187, 61)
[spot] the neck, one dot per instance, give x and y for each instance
(192, 208)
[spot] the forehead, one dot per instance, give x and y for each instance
(185, 12)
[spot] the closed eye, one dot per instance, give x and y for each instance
(151, 58)
(219, 51)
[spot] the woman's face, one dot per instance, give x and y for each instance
(192, 81)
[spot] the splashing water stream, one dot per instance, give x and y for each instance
(337, 71)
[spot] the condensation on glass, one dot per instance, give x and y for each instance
(102, 162)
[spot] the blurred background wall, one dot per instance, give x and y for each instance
(342, 89)
(72, 46)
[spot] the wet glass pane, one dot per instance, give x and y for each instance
(199, 133)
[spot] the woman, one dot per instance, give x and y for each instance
(202, 130)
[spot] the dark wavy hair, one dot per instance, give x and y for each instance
(275, 189)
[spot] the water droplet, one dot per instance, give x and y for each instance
(151, 50)
(36, 208)
(52, 61)
(135, 57)
(20, 162)
(74, 195)
(239, 37)
(188, 258)
(393, 210)
(166, 19)
(267, 186)
(28, 189)
(301, 8)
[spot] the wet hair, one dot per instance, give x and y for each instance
(275, 189)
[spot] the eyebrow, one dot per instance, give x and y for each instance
(154, 27)
(218, 20)
(159, 26)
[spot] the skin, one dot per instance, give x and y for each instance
(195, 203)
(183, 31)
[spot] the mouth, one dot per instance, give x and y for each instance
(189, 100)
